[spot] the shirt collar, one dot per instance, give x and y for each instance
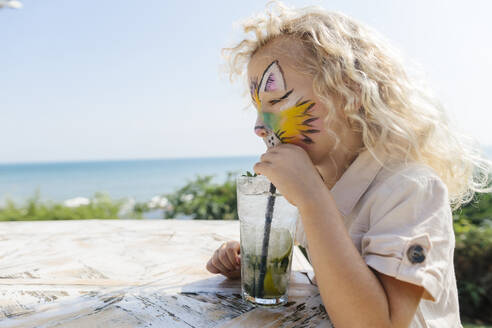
(356, 180)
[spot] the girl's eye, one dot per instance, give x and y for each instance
(285, 96)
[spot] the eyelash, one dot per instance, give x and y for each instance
(276, 101)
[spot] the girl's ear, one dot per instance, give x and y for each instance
(272, 78)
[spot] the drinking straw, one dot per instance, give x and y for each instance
(266, 240)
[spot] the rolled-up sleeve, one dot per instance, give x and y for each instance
(410, 235)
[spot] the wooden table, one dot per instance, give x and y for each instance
(134, 273)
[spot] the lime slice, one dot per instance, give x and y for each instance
(269, 286)
(275, 280)
(282, 241)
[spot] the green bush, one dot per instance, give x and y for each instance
(203, 199)
(100, 207)
(471, 325)
(477, 211)
(473, 259)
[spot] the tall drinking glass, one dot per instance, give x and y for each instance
(264, 282)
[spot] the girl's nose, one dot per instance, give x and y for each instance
(261, 131)
(260, 128)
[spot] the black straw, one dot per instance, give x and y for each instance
(266, 240)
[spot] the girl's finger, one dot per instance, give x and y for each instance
(231, 254)
(272, 150)
(237, 253)
(218, 264)
(261, 168)
(234, 245)
(267, 157)
(287, 146)
(211, 268)
(224, 259)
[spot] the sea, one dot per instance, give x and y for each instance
(139, 180)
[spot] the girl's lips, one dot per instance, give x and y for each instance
(261, 131)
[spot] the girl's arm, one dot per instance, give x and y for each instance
(353, 294)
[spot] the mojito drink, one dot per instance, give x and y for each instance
(269, 288)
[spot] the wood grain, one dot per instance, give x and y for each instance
(134, 273)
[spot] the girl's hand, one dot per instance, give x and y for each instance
(291, 170)
(226, 260)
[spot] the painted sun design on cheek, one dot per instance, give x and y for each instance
(293, 122)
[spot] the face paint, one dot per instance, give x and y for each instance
(292, 123)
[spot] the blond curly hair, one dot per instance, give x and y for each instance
(394, 113)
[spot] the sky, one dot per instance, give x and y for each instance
(96, 80)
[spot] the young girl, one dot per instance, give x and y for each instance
(367, 157)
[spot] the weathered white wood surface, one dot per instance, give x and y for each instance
(134, 273)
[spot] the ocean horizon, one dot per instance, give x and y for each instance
(138, 179)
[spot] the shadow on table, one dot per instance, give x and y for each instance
(304, 308)
(215, 284)
(210, 302)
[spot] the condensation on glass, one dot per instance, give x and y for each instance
(253, 195)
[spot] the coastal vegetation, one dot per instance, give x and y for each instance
(100, 206)
(202, 198)
(473, 258)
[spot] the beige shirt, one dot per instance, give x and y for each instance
(399, 218)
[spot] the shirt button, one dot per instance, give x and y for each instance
(416, 254)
